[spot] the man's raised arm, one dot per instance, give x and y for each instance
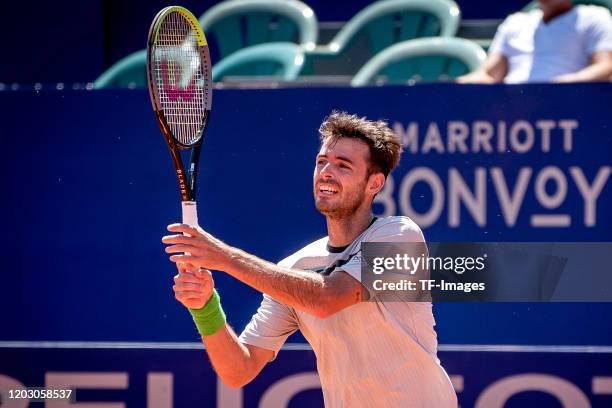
(313, 293)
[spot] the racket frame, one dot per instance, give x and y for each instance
(186, 180)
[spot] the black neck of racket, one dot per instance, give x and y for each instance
(183, 181)
(184, 186)
(193, 171)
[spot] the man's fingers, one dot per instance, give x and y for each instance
(187, 295)
(203, 274)
(182, 248)
(183, 228)
(178, 239)
(183, 258)
(186, 268)
(188, 286)
(199, 275)
(187, 278)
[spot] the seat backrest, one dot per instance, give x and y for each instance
(129, 72)
(279, 60)
(235, 24)
(388, 22)
(423, 59)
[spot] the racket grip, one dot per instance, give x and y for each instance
(190, 213)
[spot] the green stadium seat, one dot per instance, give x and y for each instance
(423, 59)
(236, 24)
(388, 22)
(129, 72)
(277, 60)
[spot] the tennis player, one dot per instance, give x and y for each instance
(369, 353)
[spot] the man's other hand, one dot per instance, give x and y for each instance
(192, 286)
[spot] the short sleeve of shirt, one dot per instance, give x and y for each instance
(599, 30)
(499, 44)
(400, 230)
(270, 326)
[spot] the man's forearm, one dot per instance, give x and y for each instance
(302, 290)
(230, 358)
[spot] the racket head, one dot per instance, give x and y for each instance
(179, 76)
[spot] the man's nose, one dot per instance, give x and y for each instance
(326, 171)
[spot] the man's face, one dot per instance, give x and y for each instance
(341, 177)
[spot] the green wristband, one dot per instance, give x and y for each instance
(211, 318)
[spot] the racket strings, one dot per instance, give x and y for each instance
(181, 78)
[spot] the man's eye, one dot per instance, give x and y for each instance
(343, 166)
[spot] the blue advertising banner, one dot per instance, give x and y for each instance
(179, 375)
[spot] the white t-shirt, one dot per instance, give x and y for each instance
(539, 52)
(371, 354)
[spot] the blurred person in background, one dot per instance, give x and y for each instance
(557, 42)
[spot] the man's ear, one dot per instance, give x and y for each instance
(376, 182)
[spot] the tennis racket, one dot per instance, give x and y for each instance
(180, 86)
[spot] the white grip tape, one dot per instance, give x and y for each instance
(190, 213)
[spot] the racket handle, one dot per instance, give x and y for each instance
(190, 213)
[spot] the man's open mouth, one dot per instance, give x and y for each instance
(327, 189)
